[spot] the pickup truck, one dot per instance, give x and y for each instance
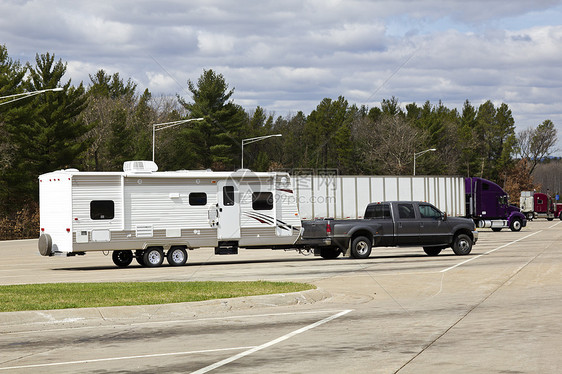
(389, 224)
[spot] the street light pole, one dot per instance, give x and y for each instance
(421, 153)
(162, 126)
(25, 95)
(253, 140)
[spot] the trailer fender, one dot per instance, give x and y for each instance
(45, 245)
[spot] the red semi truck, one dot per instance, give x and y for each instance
(538, 205)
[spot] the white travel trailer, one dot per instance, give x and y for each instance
(149, 215)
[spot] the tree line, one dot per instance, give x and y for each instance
(100, 125)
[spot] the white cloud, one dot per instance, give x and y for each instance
(288, 56)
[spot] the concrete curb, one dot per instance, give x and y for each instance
(41, 319)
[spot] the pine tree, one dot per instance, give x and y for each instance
(47, 128)
(215, 141)
(12, 75)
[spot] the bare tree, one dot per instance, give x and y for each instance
(538, 143)
(388, 144)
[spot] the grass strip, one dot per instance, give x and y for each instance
(87, 295)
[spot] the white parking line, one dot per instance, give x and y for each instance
(121, 358)
(249, 349)
(493, 250)
(269, 344)
(556, 224)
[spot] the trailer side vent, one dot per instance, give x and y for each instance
(140, 166)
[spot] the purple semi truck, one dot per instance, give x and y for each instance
(487, 204)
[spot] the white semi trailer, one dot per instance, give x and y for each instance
(345, 197)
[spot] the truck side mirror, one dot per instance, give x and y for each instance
(444, 216)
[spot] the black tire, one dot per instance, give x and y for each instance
(550, 219)
(530, 216)
(432, 251)
(153, 257)
(497, 229)
(516, 225)
(139, 257)
(361, 247)
(122, 258)
(329, 253)
(177, 256)
(462, 245)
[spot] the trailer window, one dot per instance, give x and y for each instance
(378, 211)
(197, 198)
(102, 209)
(262, 201)
(228, 195)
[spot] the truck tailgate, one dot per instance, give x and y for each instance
(314, 229)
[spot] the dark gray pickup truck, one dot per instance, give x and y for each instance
(388, 224)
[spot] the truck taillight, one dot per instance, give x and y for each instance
(328, 228)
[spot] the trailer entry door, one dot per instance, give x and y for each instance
(229, 211)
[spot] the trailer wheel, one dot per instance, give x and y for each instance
(329, 253)
(462, 245)
(153, 257)
(122, 258)
(361, 247)
(515, 225)
(177, 256)
(139, 257)
(497, 229)
(432, 251)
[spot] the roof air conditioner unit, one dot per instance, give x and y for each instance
(140, 166)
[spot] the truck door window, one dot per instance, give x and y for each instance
(228, 195)
(262, 201)
(406, 211)
(427, 211)
(102, 209)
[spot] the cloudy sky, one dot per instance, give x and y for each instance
(287, 56)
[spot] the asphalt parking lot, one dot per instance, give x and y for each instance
(400, 311)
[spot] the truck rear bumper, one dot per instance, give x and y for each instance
(314, 242)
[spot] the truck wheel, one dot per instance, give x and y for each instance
(361, 247)
(122, 258)
(177, 256)
(432, 251)
(530, 216)
(153, 257)
(462, 245)
(515, 225)
(550, 219)
(329, 253)
(496, 229)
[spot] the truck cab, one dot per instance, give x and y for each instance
(487, 204)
